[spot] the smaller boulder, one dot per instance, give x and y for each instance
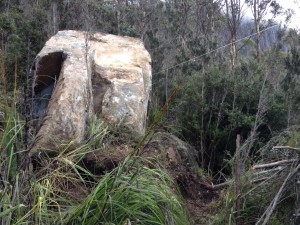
(163, 149)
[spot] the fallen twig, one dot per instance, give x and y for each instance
(285, 147)
(220, 186)
(261, 166)
(267, 214)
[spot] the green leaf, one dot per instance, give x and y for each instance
(10, 210)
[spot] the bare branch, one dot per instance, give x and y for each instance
(262, 166)
(264, 219)
(285, 147)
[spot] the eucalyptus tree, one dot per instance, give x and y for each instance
(234, 14)
(260, 9)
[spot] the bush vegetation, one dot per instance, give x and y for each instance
(212, 83)
(60, 190)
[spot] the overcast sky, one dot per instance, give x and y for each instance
(292, 4)
(286, 4)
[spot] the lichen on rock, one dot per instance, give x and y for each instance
(78, 74)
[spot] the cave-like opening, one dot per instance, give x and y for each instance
(46, 73)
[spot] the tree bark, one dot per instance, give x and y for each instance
(233, 17)
(238, 171)
(54, 15)
(257, 29)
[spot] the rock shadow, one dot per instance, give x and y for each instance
(46, 72)
(100, 86)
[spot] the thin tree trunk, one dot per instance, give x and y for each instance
(257, 29)
(202, 122)
(117, 13)
(238, 172)
(233, 53)
(54, 15)
(258, 43)
(27, 91)
(166, 91)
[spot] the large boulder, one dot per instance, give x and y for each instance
(79, 74)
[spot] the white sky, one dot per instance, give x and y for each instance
(294, 5)
(286, 4)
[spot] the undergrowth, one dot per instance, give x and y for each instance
(131, 192)
(60, 190)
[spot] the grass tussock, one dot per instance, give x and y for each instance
(60, 190)
(135, 193)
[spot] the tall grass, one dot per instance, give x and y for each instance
(60, 190)
(132, 192)
(10, 150)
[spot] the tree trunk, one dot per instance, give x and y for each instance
(237, 178)
(233, 17)
(117, 13)
(166, 91)
(257, 29)
(54, 13)
(257, 42)
(233, 53)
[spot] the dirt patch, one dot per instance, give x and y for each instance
(198, 195)
(107, 159)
